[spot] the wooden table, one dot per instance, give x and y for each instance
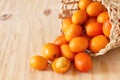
(25, 25)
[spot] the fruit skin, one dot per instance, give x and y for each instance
(79, 17)
(66, 52)
(66, 22)
(60, 40)
(50, 51)
(83, 62)
(86, 36)
(38, 62)
(98, 42)
(94, 29)
(84, 3)
(78, 44)
(102, 17)
(74, 30)
(90, 20)
(106, 28)
(60, 65)
(94, 9)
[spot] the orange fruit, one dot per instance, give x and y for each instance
(102, 17)
(38, 62)
(106, 28)
(86, 36)
(97, 43)
(66, 52)
(66, 22)
(73, 31)
(79, 17)
(84, 3)
(60, 40)
(78, 44)
(94, 8)
(50, 51)
(94, 29)
(89, 20)
(105, 9)
(83, 62)
(61, 65)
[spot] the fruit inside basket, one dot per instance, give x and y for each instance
(71, 9)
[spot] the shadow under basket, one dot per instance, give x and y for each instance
(113, 7)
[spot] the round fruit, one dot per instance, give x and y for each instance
(73, 31)
(60, 65)
(60, 40)
(97, 43)
(83, 62)
(66, 52)
(79, 17)
(106, 28)
(65, 24)
(84, 3)
(89, 20)
(94, 9)
(102, 17)
(38, 62)
(78, 44)
(94, 29)
(86, 36)
(50, 51)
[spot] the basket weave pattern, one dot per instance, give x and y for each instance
(113, 7)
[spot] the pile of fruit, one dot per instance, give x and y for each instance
(88, 29)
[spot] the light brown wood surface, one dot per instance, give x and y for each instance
(25, 25)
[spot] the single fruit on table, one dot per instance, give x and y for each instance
(61, 65)
(102, 17)
(73, 31)
(83, 62)
(98, 42)
(79, 17)
(90, 20)
(84, 3)
(78, 44)
(94, 29)
(106, 28)
(66, 52)
(95, 8)
(50, 51)
(60, 40)
(38, 62)
(65, 24)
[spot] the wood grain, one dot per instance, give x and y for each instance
(25, 27)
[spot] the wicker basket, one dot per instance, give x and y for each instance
(113, 7)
